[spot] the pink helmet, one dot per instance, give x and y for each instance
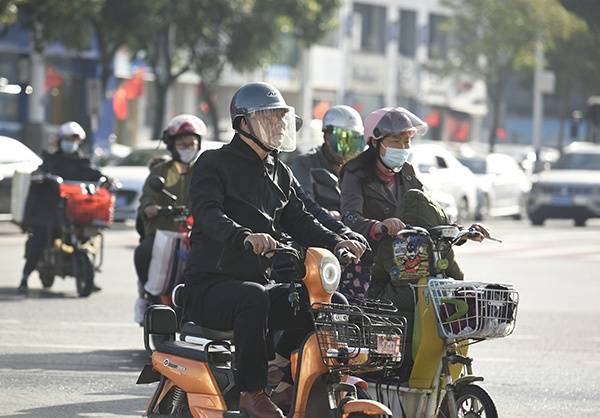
(184, 125)
(392, 121)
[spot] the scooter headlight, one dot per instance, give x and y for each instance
(331, 272)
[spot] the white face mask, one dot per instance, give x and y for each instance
(395, 158)
(188, 155)
(68, 147)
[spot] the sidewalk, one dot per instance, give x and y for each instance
(9, 228)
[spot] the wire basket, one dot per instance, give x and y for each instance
(355, 339)
(473, 310)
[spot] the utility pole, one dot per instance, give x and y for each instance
(538, 99)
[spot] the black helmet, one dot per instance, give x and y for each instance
(253, 97)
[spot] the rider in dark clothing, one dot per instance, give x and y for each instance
(343, 139)
(42, 213)
(242, 195)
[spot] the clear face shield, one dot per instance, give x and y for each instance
(275, 128)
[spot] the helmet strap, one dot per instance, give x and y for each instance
(253, 138)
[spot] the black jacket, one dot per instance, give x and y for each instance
(303, 167)
(233, 194)
(365, 198)
(42, 208)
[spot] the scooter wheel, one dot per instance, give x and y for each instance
(47, 278)
(84, 273)
(472, 401)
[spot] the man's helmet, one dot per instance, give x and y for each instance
(273, 123)
(346, 131)
(183, 125)
(393, 121)
(70, 129)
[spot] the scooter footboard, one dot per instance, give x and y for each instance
(402, 401)
(366, 407)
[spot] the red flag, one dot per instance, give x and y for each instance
(120, 103)
(134, 87)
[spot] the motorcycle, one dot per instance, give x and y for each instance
(76, 247)
(450, 315)
(195, 374)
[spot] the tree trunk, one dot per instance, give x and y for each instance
(566, 99)
(213, 112)
(161, 90)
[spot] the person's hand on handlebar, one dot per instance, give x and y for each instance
(391, 226)
(480, 232)
(261, 243)
(355, 247)
(151, 211)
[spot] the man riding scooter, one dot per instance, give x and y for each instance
(183, 137)
(242, 196)
(42, 209)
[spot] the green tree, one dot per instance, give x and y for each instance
(498, 37)
(203, 35)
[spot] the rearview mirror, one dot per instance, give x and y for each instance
(156, 183)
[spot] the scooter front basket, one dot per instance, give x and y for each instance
(473, 310)
(354, 340)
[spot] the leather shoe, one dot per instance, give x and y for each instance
(258, 405)
(23, 289)
(283, 399)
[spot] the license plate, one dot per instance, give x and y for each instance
(388, 344)
(562, 200)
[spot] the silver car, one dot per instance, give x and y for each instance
(570, 189)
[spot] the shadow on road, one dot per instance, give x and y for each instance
(114, 407)
(92, 361)
(9, 294)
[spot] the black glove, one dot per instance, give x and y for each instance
(347, 233)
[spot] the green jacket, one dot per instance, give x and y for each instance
(175, 183)
(419, 210)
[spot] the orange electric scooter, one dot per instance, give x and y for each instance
(195, 374)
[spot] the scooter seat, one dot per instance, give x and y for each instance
(194, 352)
(193, 330)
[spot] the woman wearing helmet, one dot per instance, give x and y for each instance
(242, 195)
(42, 203)
(183, 137)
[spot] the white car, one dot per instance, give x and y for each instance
(132, 171)
(440, 171)
(14, 156)
(503, 185)
(570, 189)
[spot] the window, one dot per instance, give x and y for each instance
(438, 40)
(369, 27)
(407, 43)
(441, 162)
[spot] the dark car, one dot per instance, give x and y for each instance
(570, 189)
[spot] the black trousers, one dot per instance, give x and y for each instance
(34, 247)
(141, 258)
(251, 310)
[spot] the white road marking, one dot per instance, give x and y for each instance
(69, 373)
(67, 346)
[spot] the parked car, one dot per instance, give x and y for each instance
(14, 156)
(502, 185)
(570, 189)
(440, 171)
(132, 171)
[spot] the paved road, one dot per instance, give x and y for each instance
(61, 356)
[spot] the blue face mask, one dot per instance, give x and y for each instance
(394, 158)
(68, 147)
